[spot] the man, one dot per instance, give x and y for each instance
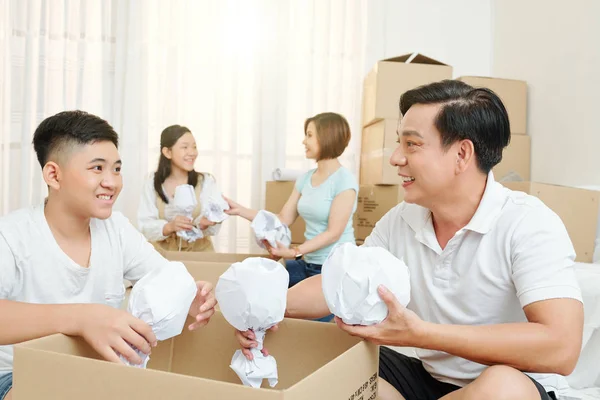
(62, 263)
(493, 293)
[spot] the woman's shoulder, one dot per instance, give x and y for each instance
(345, 174)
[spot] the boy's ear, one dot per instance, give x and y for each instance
(52, 175)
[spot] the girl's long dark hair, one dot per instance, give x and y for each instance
(168, 138)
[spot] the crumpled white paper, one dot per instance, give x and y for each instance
(252, 295)
(351, 276)
(162, 299)
(185, 202)
(267, 226)
(213, 203)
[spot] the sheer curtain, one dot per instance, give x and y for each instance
(242, 75)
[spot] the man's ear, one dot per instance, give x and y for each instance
(465, 155)
(52, 175)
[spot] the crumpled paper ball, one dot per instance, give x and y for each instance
(162, 299)
(185, 202)
(252, 295)
(351, 276)
(267, 226)
(213, 203)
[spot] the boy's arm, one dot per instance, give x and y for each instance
(106, 329)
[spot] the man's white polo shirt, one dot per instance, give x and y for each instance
(513, 252)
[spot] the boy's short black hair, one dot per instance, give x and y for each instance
(57, 133)
(476, 114)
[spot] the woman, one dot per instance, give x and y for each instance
(325, 197)
(158, 218)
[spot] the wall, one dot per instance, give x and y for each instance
(455, 32)
(557, 51)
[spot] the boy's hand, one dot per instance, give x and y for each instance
(203, 306)
(111, 331)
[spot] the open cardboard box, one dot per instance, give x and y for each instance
(315, 361)
(208, 257)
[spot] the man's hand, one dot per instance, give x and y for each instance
(402, 327)
(111, 332)
(248, 341)
(203, 306)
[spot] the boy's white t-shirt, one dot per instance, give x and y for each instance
(34, 269)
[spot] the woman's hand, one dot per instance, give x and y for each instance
(179, 223)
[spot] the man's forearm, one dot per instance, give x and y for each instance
(527, 346)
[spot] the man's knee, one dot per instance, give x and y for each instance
(503, 383)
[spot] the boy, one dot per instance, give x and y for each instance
(62, 263)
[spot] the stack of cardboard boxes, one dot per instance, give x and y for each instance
(578, 208)
(516, 158)
(380, 188)
(380, 185)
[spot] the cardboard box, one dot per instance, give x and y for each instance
(311, 359)
(209, 257)
(379, 140)
(374, 201)
(390, 78)
(512, 93)
(578, 209)
(277, 194)
(516, 159)
(206, 271)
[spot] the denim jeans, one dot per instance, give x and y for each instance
(5, 384)
(300, 270)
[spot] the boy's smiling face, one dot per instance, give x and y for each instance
(87, 178)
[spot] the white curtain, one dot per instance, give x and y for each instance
(242, 75)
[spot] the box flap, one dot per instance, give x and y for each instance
(472, 77)
(206, 271)
(36, 376)
(207, 256)
(415, 58)
(358, 365)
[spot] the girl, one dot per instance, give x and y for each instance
(325, 197)
(157, 215)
